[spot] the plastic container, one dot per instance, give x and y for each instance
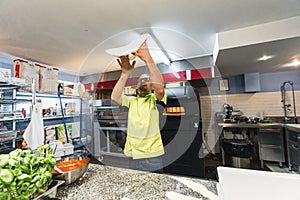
(68, 148)
(60, 149)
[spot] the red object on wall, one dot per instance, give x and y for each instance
(168, 77)
(201, 73)
(174, 77)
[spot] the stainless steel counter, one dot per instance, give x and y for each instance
(293, 143)
(249, 125)
(105, 182)
(273, 142)
(294, 127)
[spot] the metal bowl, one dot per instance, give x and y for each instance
(72, 175)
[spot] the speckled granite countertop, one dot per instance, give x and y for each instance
(105, 182)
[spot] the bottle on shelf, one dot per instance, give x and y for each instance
(24, 112)
(54, 110)
(60, 88)
(58, 111)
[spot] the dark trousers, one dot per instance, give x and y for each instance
(154, 164)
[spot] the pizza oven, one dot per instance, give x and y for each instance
(181, 130)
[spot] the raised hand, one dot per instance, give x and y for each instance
(125, 63)
(144, 54)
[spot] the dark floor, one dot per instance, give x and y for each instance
(116, 161)
(213, 161)
(211, 164)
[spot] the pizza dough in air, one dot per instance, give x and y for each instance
(128, 49)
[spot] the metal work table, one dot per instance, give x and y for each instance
(294, 127)
(268, 139)
(249, 125)
(292, 134)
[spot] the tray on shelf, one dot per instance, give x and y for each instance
(9, 84)
(7, 135)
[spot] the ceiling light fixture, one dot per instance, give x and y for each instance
(295, 63)
(161, 55)
(158, 50)
(264, 58)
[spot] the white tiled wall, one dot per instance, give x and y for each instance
(249, 103)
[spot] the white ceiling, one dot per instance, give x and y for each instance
(74, 35)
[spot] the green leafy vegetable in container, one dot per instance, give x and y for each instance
(24, 174)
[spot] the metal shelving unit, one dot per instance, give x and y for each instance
(9, 118)
(75, 118)
(45, 95)
(108, 131)
(106, 149)
(13, 97)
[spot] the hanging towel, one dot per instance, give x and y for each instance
(34, 133)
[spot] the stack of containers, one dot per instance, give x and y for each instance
(45, 78)
(28, 72)
(48, 79)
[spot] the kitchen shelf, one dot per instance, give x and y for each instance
(44, 118)
(60, 117)
(12, 101)
(12, 119)
(113, 128)
(112, 121)
(9, 84)
(49, 121)
(45, 95)
(6, 136)
(106, 107)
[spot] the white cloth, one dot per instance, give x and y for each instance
(34, 133)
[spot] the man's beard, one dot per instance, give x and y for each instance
(143, 91)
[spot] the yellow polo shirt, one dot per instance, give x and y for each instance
(143, 134)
